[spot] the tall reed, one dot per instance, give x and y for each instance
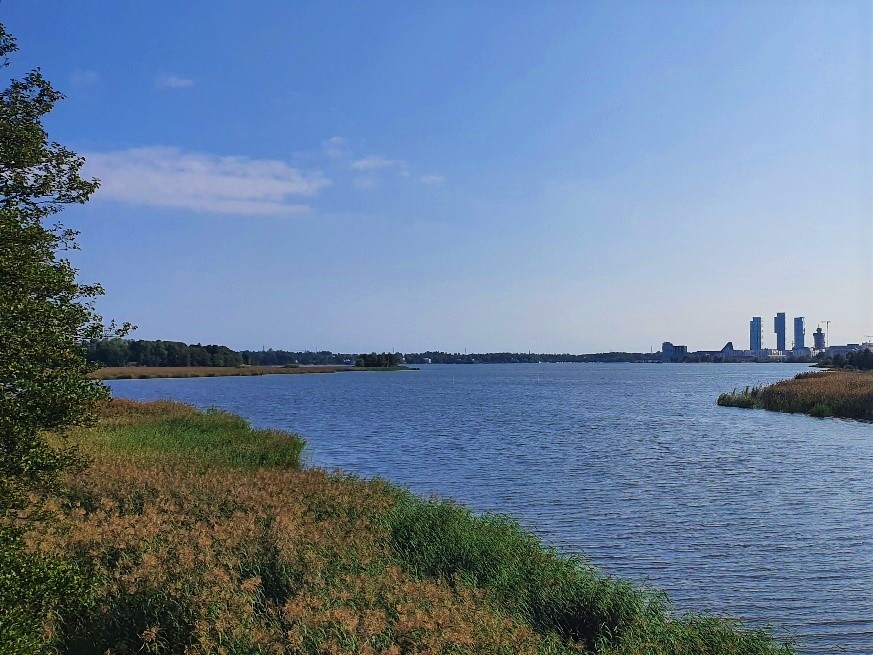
(847, 394)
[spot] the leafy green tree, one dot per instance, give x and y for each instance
(46, 315)
(199, 355)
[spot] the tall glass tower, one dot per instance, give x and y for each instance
(756, 333)
(779, 327)
(799, 332)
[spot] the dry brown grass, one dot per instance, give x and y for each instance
(847, 394)
(281, 562)
(216, 559)
(148, 372)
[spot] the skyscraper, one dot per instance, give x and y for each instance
(756, 333)
(779, 327)
(799, 333)
(818, 338)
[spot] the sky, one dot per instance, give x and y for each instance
(480, 176)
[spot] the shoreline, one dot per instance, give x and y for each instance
(194, 528)
(156, 372)
(821, 394)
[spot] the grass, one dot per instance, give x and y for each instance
(553, 593)
(211, 437)
(846, 394)
(186, 536)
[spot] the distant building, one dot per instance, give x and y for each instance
(756, 334)
(779, 328)
(799, 333)
(671, 353)
(726, 354)
(818, 339)
(833, 351)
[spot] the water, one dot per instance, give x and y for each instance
(760, 515)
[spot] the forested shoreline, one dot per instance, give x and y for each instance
(139, 352)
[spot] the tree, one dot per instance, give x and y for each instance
(46, 315)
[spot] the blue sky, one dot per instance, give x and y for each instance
(562, 176)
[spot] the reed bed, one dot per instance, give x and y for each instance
(149, 372)
(846, 394)
(173, 548)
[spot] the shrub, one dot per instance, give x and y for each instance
(38, 593)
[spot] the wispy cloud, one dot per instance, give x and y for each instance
(431, 179)
(366, 182)
(84, 78)
(173, 82)
(334, 147)
(170, 177)
(376, 162)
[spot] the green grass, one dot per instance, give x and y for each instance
(745, 399)
(210, 437)
(556, 593)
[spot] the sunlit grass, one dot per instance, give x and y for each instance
(211, 437)
(847, 394)
(186, 536)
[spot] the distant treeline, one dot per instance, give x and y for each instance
(133, 352)
(861, 360)
(137, 352)
(272, 357)
(384, 360)
(522, 358)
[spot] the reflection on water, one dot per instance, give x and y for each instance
(759, 515)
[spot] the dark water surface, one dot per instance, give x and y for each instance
(759, 515)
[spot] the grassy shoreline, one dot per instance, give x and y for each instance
(150, 372)
(843, 394)
(192, 532)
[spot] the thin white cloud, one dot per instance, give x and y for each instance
(334, 147)
(84, 78)
(432, 179)
(170, 177)
(366, 183)
(375, 162)
(173, 82)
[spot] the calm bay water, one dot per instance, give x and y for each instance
(763, 516)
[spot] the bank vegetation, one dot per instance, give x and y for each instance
(846, 394)
(191, 532)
